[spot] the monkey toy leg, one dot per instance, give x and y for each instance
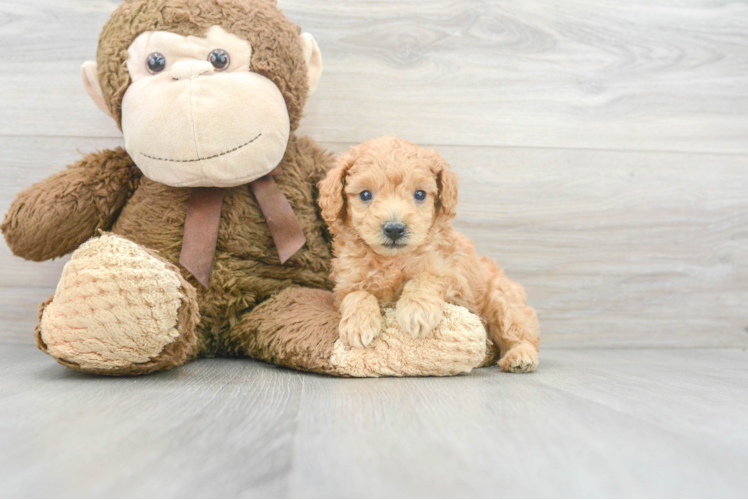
(298, 328)
(119, 309)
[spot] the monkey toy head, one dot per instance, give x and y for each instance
(206, 92)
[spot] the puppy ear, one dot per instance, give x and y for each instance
(331, 190)
(447, 182)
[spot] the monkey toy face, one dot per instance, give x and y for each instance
(195, 113)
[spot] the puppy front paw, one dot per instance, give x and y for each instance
(359, 328)
(419, 316)
(522, 358)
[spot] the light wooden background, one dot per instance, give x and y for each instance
(603, 151)
(602, 145)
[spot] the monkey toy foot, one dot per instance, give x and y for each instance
(119, 309)
(298, 328)
(456, 345)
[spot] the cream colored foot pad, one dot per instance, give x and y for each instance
(457, 345)
(115, 305)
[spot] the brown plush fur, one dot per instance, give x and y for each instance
(105, 191)
(297, 328)
(246, 269)
(433, 264)
(54, 217)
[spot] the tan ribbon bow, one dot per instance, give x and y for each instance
(204, 216)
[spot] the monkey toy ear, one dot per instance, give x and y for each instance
(313, 60)
(90, 77)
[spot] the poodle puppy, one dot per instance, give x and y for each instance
(389, 204)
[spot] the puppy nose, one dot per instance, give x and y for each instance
(394, 231)
(187, 70)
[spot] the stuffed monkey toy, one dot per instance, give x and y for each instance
(202, 237)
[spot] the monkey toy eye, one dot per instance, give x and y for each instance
(420, 195)
(155, 63)
(220, 59)
(365, 196)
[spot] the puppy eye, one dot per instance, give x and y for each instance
(420, 195)
(365, 196)
(220, 59)
(155, 63)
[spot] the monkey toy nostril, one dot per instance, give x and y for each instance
(394, 231)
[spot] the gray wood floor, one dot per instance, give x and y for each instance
(603, 154)
(590, 423)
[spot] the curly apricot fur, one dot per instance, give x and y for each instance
(435, 264)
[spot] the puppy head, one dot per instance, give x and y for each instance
(390, 193)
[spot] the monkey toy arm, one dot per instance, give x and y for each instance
(53, 217)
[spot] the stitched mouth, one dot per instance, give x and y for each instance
(207, 157)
